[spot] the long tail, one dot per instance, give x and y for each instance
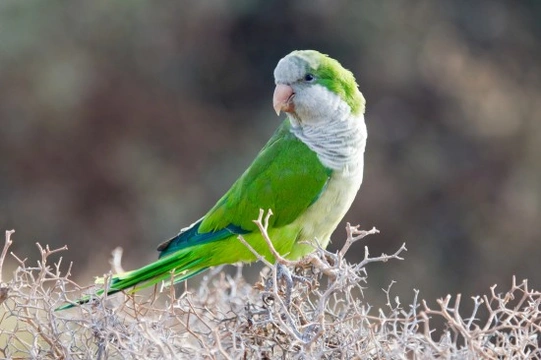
(178, 265)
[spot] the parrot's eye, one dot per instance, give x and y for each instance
(309, 77)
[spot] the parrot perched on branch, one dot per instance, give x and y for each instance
(307, 174)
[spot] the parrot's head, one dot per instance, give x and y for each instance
(312, 87)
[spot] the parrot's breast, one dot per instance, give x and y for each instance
(340, 146)
(323, 216)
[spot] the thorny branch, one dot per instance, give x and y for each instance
(225, 317)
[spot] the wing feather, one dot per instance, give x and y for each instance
(286, 177)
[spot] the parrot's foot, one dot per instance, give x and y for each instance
(283, 273)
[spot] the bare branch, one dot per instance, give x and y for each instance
(226, 317)
(7, 244)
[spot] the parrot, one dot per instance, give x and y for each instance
(307, 174)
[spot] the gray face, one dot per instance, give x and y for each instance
(314, 103)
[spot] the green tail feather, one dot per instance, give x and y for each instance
(176, 265)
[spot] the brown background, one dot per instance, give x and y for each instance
(121, 122)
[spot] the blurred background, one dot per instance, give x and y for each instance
(123, 121)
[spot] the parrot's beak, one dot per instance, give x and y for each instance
(282, 99)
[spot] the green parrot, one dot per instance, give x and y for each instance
(308, 174)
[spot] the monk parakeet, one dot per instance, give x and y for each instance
(308, 174)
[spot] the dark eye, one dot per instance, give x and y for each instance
(309, 77)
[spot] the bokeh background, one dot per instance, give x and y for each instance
(123, 121)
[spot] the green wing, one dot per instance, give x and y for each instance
(286, 177)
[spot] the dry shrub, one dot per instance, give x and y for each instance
(323, 316)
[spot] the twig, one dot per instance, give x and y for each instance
(4, 288)
(116, 260)
(382, 258)
(351, 231)
(7, 244)
(262, 223)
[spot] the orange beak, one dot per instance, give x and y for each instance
(282, 99)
